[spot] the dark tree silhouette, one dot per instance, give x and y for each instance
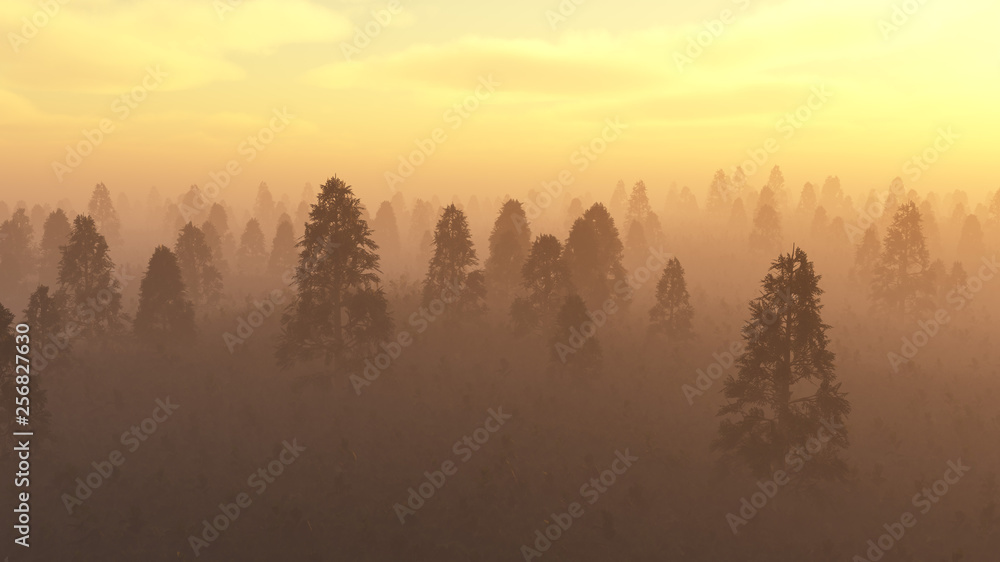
(510, 242)
(766, 234)
(738, 218)
(639, 208)
(86, 277)
(264, 208)
(165, 314)
(971, 247)
(55, 235)
(994, 209)
(385, 230)
(866, 255)
(636, 245)
(450, 269)
(807, 199)
(46, 316)
(339, 313)
(900, 284)
(786, 391)
(251, 258)
(201, 278)
(215, 244)
(672, 313)
(283, 256)
(831, 196)
(593, 255)
(719, 193)
(546, 285)
(103, 211)
(17, 256)
(575, 347)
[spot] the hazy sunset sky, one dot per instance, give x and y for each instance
(228, 69)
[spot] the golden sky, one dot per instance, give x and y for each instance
(201, 76)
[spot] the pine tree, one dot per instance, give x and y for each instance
(17, 255)
(339, 312)
(46, 315)
(165, 314)
(785, 391)
(574, 342)
(251, 258)
(831, 196)
(639, 208)
(510, 242)
(55, 235)
(215, 244)
(450, 269)
(219, 218)
(994, 209)
(971, 247)
(776, 183)
(738, 219)
(283, 256)
(866, 255)
(807, 200)
(86, 278)
(574, 212)
(672, 313)
(201, 278)
(546, 285)
(385, 230)
(618, 206)
(593, 256)
(719, 193)
(103, 211)
(264, 210)
(766, 234)
(636, 246)
(900, 284)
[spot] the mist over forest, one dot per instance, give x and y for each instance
(742, 370)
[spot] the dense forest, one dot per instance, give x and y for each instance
(749, 370)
